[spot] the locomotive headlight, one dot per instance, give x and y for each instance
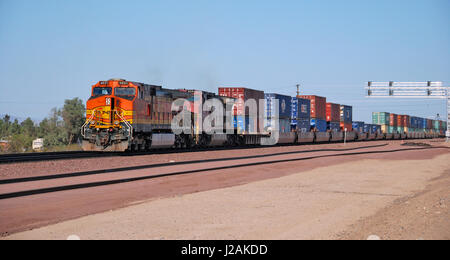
(116, 122)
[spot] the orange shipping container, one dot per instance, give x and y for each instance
(349, 126)
(333, 112)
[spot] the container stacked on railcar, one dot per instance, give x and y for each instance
(247, 121)
(278, 108)
(346, 118)
(301, 114)
(333, 117)
(318, 112)
(318, 117)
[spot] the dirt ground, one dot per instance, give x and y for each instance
(392, 199)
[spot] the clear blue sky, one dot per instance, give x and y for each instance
(54, 50)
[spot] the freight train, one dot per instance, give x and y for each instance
(123, 116)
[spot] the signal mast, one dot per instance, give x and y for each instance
(419, 90)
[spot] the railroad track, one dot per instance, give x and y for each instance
(30, 157)
(49, 156)
(115, 179)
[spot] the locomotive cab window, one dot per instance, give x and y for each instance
(98, 91)
(127, 93)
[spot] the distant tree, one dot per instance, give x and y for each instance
(28, 127)
(7, 119)
(73, 114)
(5, 127)
(15, 128)
(20, 143)
(2, 128)
(52, 130)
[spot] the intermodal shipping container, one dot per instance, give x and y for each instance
(318, 106)
(242, 95)
(436, 125)
(401, 129)
(358, 127)
(429, 124)
(303, 125)
(334, 126)
(406, 121)
(376, 129)
(346, 114)
(386, 129)
(414, 122)
(245, 124)
(400, 121)
(284, 124)
(284, 106)
(422, 124)
(320, 125)
(393, 129)
(367, 128)
(346, 126)
(333, 112)
(380, 118)
(393, 120)
(301, 108)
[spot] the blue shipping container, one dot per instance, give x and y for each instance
(284, 105)
(376, 129)
(346, 114)
(334, 126)
(301, 108)
(319, 124)
(303, 125)
(358, 126)
(367, 128)
(304, 108)
(245, 124)
(414, 122)
(422, 123)
(284, 125)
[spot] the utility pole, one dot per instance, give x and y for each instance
(420, 90)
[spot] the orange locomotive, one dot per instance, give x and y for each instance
(123, 115)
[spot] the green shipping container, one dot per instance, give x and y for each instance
(400, 129)
(392, 129)
(436, 125)
(380, 118)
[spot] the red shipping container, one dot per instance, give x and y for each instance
(400, 121)
(429, 124)
(242, 95)
(393, 120)
(349, 127)
(333, 112)
(405, 121)
(318, 106)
